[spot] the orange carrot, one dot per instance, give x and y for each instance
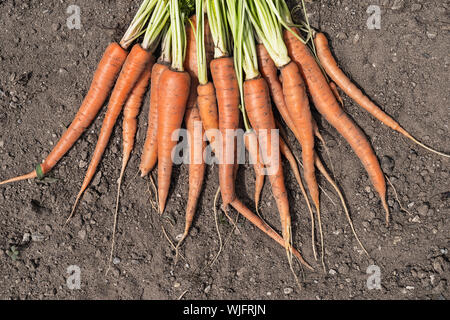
(258, 107)
(190, 61)
(174, 88)
(251, 144)
(102, 82)
(287, 153)
(196, 165)
(326, 104)
(332, 69)
(195, 131)
(336, 93)
(130, 113)
(227, 91)
(135, 64)
(207, 105)
(149, 155)
(296, 99)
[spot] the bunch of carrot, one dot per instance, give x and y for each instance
(255, 56)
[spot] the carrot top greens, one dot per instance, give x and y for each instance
(156, 25)
(134, 31)
(178, 35)
(200, 42)
(268, 28)
(219, 27)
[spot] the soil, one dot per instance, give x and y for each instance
(45, 71)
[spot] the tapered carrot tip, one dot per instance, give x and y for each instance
(162, 206)
(74, 207)
(30, 175)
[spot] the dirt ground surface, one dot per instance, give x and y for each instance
(45, 72)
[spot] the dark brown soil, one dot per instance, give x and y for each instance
(45, 72)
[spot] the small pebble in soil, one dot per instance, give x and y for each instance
(208, 289)
(82, 234)
(115, 272)
(423, 209)
(179, 236)
(387, 164)
(26, 237)
(288, 290)
(176, 285)
(116, 260)
(36, 237)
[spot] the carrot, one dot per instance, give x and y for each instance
(196, 164)
(195, 130)
(135, 64)
(102, 82)
(294, 91)
(332, 69)
(290, 97)
(207, 106)
(258, 107)
(190, 61)
(130, 112)
(227, 91)
(149, 155)
(251, 144)
(287, 153)
(269, 72)
(326, 104)
(173, 95)
(336, 93)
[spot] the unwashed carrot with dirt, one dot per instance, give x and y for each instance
(227, 93)
(194, 128)
(149, 155)
(174, 89)
(101, 85)
(334, 72)
(326, 104)
(197, 165)
(135, 64)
